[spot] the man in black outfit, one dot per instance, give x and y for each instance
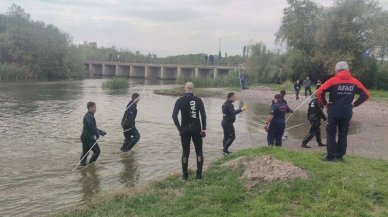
(297, 89)
(314, 115)
(90, 135)
(192, 113)
(227, 122)
(131, 134)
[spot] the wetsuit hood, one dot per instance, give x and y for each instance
(343, 75)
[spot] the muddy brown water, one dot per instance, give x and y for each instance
(40, 126)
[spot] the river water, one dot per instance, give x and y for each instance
(40, 126)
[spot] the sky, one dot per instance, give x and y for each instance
(164, 27)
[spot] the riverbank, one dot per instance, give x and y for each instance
(371, 117)
(356, 187)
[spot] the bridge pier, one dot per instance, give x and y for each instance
(169, 73)
(95, 70)
(220, 72)
(122, 70)
(204, 72)
(108, 70)
(186, 72)
(137, 71)
(153, 72)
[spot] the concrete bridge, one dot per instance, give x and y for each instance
(159, 71)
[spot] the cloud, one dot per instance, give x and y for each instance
(164, 27)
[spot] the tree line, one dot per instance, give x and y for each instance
(34, 50)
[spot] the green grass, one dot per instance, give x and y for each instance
(178, 91)
(379, 95)
(115, 83)
(356, 187)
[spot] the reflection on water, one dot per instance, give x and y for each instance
(90, 183)
(129, 175)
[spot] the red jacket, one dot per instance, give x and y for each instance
(342, 88)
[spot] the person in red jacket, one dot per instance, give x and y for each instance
(342, 89)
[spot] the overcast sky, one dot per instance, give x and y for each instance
(164, 27)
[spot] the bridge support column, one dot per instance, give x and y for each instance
(95, 70)
(108, 70)
(122, 70)
(169, 73)
(186, 72)
(153, 72)
(137, 71)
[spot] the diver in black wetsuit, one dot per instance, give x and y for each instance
(192, 113)
(229, 118)
(90, 134)
(131, 134)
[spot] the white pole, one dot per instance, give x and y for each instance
(85, 154)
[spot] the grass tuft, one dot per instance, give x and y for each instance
(115, 83)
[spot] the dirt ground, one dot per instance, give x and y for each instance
(266, 168)
(371, 139)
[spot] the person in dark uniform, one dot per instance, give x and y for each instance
(297, 89)
(243, 80)
(314, 115)
(276, 121)
(307, 86)
(229, 117)
(283, 93)
(319, 84)
(90, 135)
(192, 114)
(131, 134)
(342, 88)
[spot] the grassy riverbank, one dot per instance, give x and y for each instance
(356, 187)
(178, 91)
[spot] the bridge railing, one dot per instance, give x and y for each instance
(223, 62)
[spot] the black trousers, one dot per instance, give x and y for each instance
(229, 134)
(307, 89)
(132, 136)
(297, 94)
(338, 118)
(87, 143)
(186, 138)
(315, 130)
(275, 133)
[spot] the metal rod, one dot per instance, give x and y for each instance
(307, 98)
(85, 154)
(295, 126)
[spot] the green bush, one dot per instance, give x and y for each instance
(10, 72)
(115, 83)
(230, 80)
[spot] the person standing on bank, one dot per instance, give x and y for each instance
(131, 134)
(307, 86)
(243, 80)
(297, 89)
(342, 89)
(276, 121)
(90, 134)
(314, 115)
(229, 117)
(319, 84)
(192, 114)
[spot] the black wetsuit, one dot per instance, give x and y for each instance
(278, 123)
(90, 133)
(192, 113)
(297, 90)
(314, 115)
(131, 134)
(227, 124)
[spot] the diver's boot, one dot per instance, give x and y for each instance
(185, 173)
(199, 166)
